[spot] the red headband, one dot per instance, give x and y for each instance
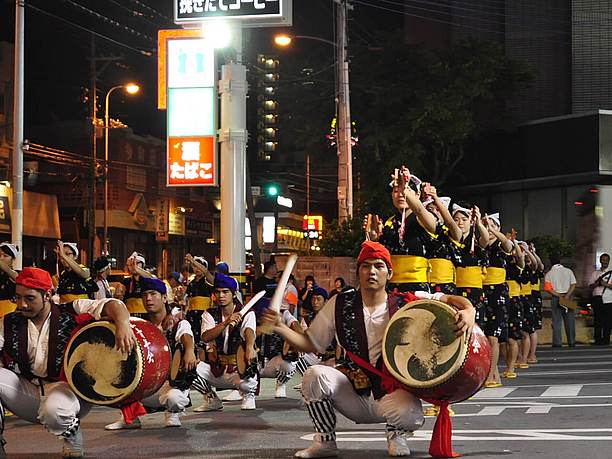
(35, 278)
(371, 249)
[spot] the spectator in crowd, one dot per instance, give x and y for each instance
(290, 298)
(306, 292)
(596, 282)
(339, 284)
(267, 281)
(560, 282)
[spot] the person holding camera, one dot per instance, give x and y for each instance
(601, 310)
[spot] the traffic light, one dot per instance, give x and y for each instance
(272, 190)
(267, 106)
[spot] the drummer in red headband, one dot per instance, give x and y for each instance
(33, 340)
(359, 318)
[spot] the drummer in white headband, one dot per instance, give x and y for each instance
(8, 253)
(496, 292)
(135, 265)
(405, 233)
(352, 388)
(74, 281)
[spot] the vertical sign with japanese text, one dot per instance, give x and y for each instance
(162, 220)
(191, 111)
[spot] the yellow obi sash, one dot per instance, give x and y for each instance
(135, 305)
(469, 277)
(535, 287)
(494, 276)
(441, 271)
(70, 297)
(6, 307)
(199, 303)
(525, 289)
(408, 269)
(514, 289)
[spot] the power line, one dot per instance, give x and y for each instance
(110, 21)
(451, 23)
(99, 35)
(136, 14)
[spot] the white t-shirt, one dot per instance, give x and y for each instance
(288, 318)
(248, 322)
(597, 291)
(38, 342)
(183, 328)
(323, 327)
(561, 278)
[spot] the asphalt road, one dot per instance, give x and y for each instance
(558, 408)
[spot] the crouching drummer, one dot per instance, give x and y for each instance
(230, 340)
(33, 340)
(358, 319)
(173, 399)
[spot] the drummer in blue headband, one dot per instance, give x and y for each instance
(230, 346)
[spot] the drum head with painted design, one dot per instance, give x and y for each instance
(96, 371)
(420, 348)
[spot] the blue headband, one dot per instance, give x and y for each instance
(223, 281)
(152, 283)
(316, 290)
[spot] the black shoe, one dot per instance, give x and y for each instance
(572, 345)
(556, 345)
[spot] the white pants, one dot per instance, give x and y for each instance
(171, 398)
(399, 409)
(227, 380)
(58, 410)
(278, 368)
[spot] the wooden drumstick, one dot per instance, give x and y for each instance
(368, 226)
(277, 298)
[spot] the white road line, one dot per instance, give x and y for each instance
(535, 374)
(567, 390)
(574, 357)
(497, 392)
(492, 411)
(548, 385)
(484, 398)
(483, 435)
(570, 364)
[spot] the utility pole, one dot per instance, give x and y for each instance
(17, 210)
(91, 212)
(233, 137)
(345, 155)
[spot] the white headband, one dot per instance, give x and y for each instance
(11, 248)
(201, 260)
(458, 208)
(137, 258)
(73, 247)
(495, 218)
(445, 201)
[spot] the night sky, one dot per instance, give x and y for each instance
(58, 45)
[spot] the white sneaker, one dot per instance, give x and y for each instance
(248, 402)
(233, 396)
(210, 403)
(73, 445)
(319, 448)
(172, 419)
(397, 443)
(281, 391)
(121, 424)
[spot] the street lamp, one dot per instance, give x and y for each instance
(344, 140)
(130, 88)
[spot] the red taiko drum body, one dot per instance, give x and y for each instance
(100, 374)
(421, 351)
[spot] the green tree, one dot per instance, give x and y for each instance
(342, 240)
(548, 245)
(419, 107)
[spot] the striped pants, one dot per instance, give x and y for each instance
(279, 368)
(325, 390)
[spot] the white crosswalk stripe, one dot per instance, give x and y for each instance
(562, 390)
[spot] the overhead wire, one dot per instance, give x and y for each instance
(110, 21)
(455, 24)
(97, 34)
